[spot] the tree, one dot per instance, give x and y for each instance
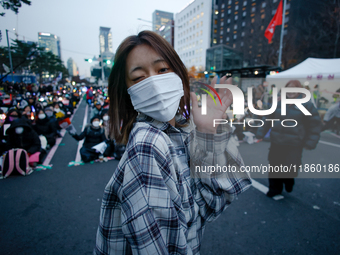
(13, 5)
(30, 57)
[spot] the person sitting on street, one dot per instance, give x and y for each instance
(93, 134)
(46, 128)
(97, 110)
(21, 135)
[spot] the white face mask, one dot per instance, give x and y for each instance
(95, 123)
(106, 118)
(19, 130)
(57, 110)
(49, 113)
(158, 96)
(41, 116)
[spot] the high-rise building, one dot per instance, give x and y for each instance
(50, 42)
(105, 40)
(192, 33)
(72, 67)
(241, 25)
(163, 24)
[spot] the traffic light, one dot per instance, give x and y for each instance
(88, 60)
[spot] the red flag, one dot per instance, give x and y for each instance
(276, 21)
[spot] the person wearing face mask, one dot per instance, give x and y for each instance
(58, 112)
(43, 126)
(287, 143)
(93, 134)
(21, 135)
(97, 110)
(153, 204)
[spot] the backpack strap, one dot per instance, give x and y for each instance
(17, 161)
(10, 163)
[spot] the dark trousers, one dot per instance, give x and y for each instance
(283, 155)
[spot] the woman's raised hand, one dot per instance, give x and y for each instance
(205, 123)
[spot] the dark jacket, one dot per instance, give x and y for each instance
(92, 136)
(45, 127)
(28, 140)
(305, 134)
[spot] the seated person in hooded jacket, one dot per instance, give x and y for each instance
(43, 126)
(93, 135)
(21, 135)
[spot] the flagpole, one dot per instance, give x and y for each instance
(282, 32)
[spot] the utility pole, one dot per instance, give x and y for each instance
(282, 32)
(10, 56)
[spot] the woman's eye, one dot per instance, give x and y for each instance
(164, 70)
(136, 79)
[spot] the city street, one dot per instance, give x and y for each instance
(56, 211)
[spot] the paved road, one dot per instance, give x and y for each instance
(56, 211)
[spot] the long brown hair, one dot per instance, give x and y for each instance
(121, 111)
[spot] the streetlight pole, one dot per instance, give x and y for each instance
(10, 56)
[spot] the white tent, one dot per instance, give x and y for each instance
(312, 71)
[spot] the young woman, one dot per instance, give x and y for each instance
(153, 204)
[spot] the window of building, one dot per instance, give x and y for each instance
(198, 7)
(242, 44)
(235, 37)
(263, 16)
(221, 40)
(228, 21)
(273, 12)
(236, 17)
(194, 10)
(221, 32)
(262, 27)
(236, 7)
(274, 1)
(190, 12)
(235, 27)
(286, 19)
(242, 34)
(201, 23)
(197, 25)
(201, 32)
(227, 39)
(198, 16)
(252, 20)
(244, 14)
(215, 21)
(222, 6)
(287, 6)
(201, 41)
(228, 29)
(243, 24)
(216, 12)
(285, 32)
(222, 23)
(229, 2)
(263, 5)
(253, 9)
(215, 31)
(222, 14)
(234, 45)
(244, 3)
(252, 31)
(201, 5)
(202, 14)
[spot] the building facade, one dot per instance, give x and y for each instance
(193, 33)
(242, 24)
(50, 42)
(105, 40)
(163, 24)
(72, 67)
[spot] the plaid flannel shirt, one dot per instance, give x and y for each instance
(152, 204)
